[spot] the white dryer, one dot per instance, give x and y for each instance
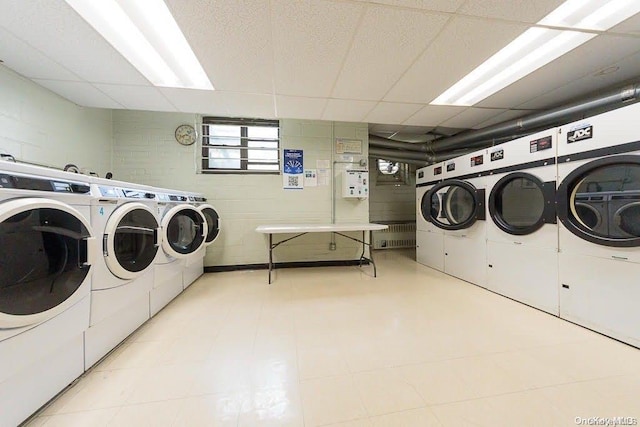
(522, 236)
(194, 266)
(461, 197)
(125, 216)
(183, 235)
(599, 212)
(46, 256)
(429, 238)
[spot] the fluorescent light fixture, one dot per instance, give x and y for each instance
(146, 34)
(537, 47)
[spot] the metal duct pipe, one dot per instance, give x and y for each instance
(415, 158)
(562, 114)
(400, 160)
(377, 141)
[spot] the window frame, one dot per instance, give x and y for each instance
(244, 147)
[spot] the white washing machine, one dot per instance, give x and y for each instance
(461, 197)
(46, 269)
(125, 217)
(522, 235)
(599, 233)
(183, 234)
(194, 265)
(429, 238)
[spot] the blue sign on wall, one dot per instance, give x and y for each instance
(293, 169)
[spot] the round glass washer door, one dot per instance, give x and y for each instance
(131, 237)
(213, 223)
(521, 203)
(600, 201)
(184, 231)
(430, 207)
(461, 204)
(47, 252)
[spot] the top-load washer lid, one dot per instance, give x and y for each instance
(213, 223)
(184, 230)
(46, 253)
(520, 203)
(600, 201)
(461, 205)
(130, 241)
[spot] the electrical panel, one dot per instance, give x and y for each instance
(355, 184)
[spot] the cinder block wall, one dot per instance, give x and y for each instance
(38, 126)
(146, 152)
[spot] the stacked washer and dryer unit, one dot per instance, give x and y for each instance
(582, 268)
(599, 211)
(46, 264)
(457, 207)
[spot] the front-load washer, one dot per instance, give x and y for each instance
(599, 160)
(46, 266)
(124, 215)
(429, 238)
(461, 196)
(183, 234)
(194, 266)
(522, 235)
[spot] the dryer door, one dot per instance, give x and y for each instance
(520, 203)
(45, 257)
(184, 230)
(430, 207)
(600, 201)
(455, 205)
(130, 241)
(213, 223)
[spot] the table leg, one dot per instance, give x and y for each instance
(362, 258)
(270, 255)
(371, 252)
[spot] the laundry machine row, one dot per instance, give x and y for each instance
(583, 267)
(77, 261)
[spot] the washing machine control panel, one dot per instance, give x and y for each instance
(40, 184)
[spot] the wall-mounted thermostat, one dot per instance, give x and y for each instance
(355, 184)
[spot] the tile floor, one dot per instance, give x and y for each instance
(334, 346)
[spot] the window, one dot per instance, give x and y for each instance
(240, 145)
(392, 173)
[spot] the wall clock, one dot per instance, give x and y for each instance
(185, 134)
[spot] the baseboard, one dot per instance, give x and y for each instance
(299, 264)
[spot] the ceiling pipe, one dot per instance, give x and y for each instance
(399, 160)
(419, 158)
(561, 115)
(377, 141)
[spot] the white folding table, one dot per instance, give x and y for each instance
(302, 229)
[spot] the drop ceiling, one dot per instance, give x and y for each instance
(380, 61)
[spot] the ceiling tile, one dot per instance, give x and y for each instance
(587, 59)
(433, 115)
(232, 40)
(470, 117)
(83, 94)
(293, 107)
(196, 101)
(347, 110)
(53, 28)
(462, 45)
(311, 39)
(30, 62)
(513, 10)
(392, 112)
(435, 5)
(137, 97)
(388, 41)
(630, 26)
(248, 104)
(589, 85)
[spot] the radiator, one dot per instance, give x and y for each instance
(398, 235)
